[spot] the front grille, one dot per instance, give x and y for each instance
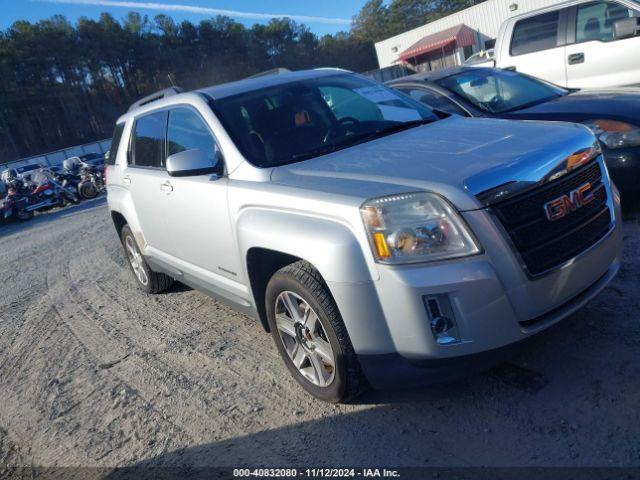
(543, 244)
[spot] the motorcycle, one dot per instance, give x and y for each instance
(16, 203)
(91, 181)
(46, 193)
(68, 180)
(66, 193)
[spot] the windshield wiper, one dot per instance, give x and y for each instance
(398, 127)
(529, 104)
(315, 153)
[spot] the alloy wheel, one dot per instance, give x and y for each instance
(136, 260)
(305, 339)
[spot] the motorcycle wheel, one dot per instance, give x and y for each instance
(88, 190)
(24, 215)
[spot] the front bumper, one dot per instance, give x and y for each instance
(493, 301)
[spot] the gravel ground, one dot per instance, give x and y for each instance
(94, 372)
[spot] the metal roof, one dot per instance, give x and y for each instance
(460, 36)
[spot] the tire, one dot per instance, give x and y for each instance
(322, 336)
(24, 215)
(147, 280)
(87, 190)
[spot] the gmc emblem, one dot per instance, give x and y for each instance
(562, 206)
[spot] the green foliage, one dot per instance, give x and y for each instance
(64, 84)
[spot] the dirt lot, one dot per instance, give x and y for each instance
(95, 373)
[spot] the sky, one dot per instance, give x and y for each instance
(321, 16)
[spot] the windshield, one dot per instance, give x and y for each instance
(500, 91)
(303, 119)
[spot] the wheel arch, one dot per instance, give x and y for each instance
(119, 221)
(123, 213)
(262, 264)
(269, 240)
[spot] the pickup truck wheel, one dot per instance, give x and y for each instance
(310, 334)
(147, 279)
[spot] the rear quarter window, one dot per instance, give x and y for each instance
(110, 159)
(535, 34)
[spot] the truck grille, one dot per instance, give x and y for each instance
(543, 244)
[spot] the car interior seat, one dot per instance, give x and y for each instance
(592, 29)
(289, 129)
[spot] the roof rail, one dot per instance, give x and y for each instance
(273, 71)
(167, 92)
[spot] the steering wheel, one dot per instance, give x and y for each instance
(340, 125)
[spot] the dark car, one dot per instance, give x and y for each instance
(613, 115)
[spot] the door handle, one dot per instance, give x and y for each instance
(576, 58)
(166, 187)
(126, 179)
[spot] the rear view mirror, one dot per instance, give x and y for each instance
(478, 82)
(193, 162)
(625, 28)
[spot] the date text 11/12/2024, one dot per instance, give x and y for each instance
(316, 473)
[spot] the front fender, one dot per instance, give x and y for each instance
(331, 246)
(338, 254)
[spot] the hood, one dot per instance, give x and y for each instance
(459, 158)
(620, 104)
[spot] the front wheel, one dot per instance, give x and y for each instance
(24, 215)
(310, 335)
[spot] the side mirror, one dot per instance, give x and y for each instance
(193, 162)
(625, 28)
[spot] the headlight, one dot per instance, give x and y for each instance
(415, 227)
(614, 134)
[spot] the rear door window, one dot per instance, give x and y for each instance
(535, 34)
(148, 140)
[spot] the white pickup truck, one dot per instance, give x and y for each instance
(576, 44)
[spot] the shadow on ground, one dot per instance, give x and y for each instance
(41, 219)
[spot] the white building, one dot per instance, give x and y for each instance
(450, 40)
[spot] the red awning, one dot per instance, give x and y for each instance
(461, 35)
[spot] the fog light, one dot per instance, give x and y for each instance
(442, 322)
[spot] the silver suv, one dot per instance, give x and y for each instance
(380, 242)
